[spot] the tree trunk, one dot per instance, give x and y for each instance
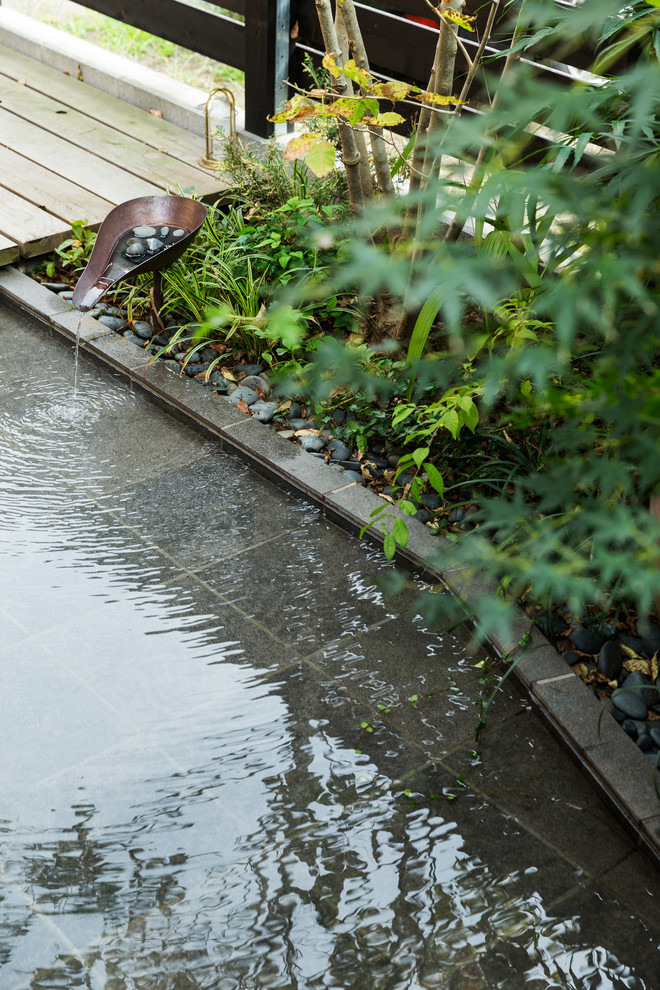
(359, 52)
(350, 152)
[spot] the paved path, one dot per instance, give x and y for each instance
(231, 762)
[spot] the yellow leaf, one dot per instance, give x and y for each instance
(654, 670)
(639, 664)
(393, 90)
(384, 120)
(436, 98)
(318, 153)
(461, 19)
(308, 433)
(330, 64)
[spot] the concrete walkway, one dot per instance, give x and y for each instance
(231, 762)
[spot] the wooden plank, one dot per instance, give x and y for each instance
(82, 167)
(70, 92)
(49, 191)
(9, 252)
(34, 230)
(147, 163)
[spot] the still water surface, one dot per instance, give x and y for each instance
(188, 796)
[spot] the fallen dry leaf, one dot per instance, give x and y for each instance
(228, 373)
(242, 405)
(155, 113)
(308, 433)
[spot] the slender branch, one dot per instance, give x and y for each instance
(350, 153)
(381, 164)
(488, 30)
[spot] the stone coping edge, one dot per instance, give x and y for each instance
(614, 765)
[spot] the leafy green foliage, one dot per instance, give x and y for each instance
(561, 266)
(75, 251)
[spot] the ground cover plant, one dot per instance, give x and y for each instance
(485, 341)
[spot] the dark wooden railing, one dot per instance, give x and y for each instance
(271, 37)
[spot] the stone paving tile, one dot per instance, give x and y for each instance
(221, 508)
(422, 683)
(39, 695)
(164, 652)
(634, 882)
(309, 587)
(563, 810)
(73, 558)
(601, 953)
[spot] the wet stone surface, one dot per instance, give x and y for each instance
(232, 762)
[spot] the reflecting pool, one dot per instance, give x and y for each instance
(231, 762)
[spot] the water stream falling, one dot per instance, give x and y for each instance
(76, 360)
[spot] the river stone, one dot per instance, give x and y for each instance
(632, 642)
(295, 411)
(301, 424)
(630, 703)
(249, 369)
(248, 396)
(629, 726)
(338, 416)
(143, 329)
(339, 451)
(456, 515)
(432, 501)
(112, 322)
(56, 286)
(646, 691)
(353, 476)
(256, 382)
(263, 411)
(349, 465)
(311, 443)
(193, 370)
(220, 385)
(654, 732)
(617, 715)
(144, 231)
(571, 657)
(129, 335)
(153, 245)
(645, 743)
(587, 640)
(649, 632)
(610, 660)
(134, 249)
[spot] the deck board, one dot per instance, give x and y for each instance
(70, 152)
(34, 230)
(154, 131)
(107, 143)
(50, 191)
(9, 252)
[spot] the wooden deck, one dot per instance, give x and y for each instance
(70, 152)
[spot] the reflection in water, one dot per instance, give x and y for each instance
(183, 818)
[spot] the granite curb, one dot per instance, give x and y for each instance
(610, 760)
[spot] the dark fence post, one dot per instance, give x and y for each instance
(267, 48)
